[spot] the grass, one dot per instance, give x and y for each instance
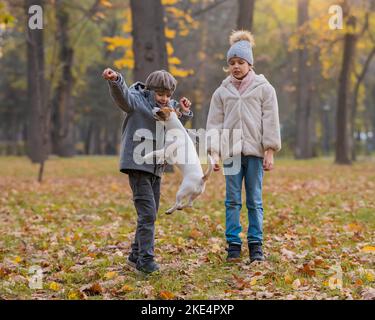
(77, 226)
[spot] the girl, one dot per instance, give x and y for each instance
(244, 105)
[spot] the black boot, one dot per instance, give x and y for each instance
(256, 252)
(234, 252)
(132, 260)
(147, 267)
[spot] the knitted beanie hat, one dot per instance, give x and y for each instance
(161, 80)
(242, 43)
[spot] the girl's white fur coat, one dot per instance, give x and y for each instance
(254, 113)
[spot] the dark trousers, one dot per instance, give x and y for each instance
(146, 197)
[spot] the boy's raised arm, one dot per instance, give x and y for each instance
(119, 90)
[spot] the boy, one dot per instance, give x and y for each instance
(137, 102)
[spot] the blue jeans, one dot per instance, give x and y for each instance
(251, 170)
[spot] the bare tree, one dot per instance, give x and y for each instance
(245, 16)
(37, 143)
(62, 115)
(304, 117)
(149, 42)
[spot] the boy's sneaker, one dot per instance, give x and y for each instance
(256, 252)
(132, 261)
(234, 252)
(147, 267)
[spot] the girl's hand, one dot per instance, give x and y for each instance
(109, 74)
(185, 104)
(268, 160)
(216, 159)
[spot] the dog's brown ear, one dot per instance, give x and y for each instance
(164, 113)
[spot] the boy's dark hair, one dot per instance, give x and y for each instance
(161, 80)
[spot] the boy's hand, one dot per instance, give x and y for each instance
(185, 104)
(109, 74)
(268, 160)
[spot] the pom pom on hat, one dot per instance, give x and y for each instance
(241, 35)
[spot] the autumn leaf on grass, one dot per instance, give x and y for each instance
(92, 289)
(306, 270)
(288, 279)
(296, 284)
(239, 282)
(353, 227)
(54, 286)
(17, 260)
(288, 254)
(368, 274)
(110, 275)
(368, 294)
(368, 249)
(4, 272)
(125, 289)
(76, 295)
(195, 234)
(166, 295)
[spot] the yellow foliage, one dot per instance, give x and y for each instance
(169, 2)
(170, 49)
(181, 73)
(174, 60)
(106, 3)
(169, 33)
(116, 42)
(127, 26)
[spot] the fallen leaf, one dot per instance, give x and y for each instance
(166, 295)
(54, 286)
(368, 294)
(92, 289)
(353, 227)
(306, 270)
(296, 284)
(126, 288)
(17, 260)
(287, 253)
(288, 279)
(195, 234)
(368, 249)
(110, 275)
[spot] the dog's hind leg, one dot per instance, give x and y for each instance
(179, 197)
(190, 202)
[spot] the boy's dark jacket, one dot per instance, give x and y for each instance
(137, 103)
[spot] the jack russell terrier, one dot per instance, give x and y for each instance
(186, 159)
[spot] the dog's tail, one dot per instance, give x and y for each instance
(209, 169)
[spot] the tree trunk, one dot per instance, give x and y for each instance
(245, 16)
(359, 81)
(342, 121)
(149, 42)
(35, 144)
(304, 118)
(63, 112)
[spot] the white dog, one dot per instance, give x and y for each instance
(183, 154)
